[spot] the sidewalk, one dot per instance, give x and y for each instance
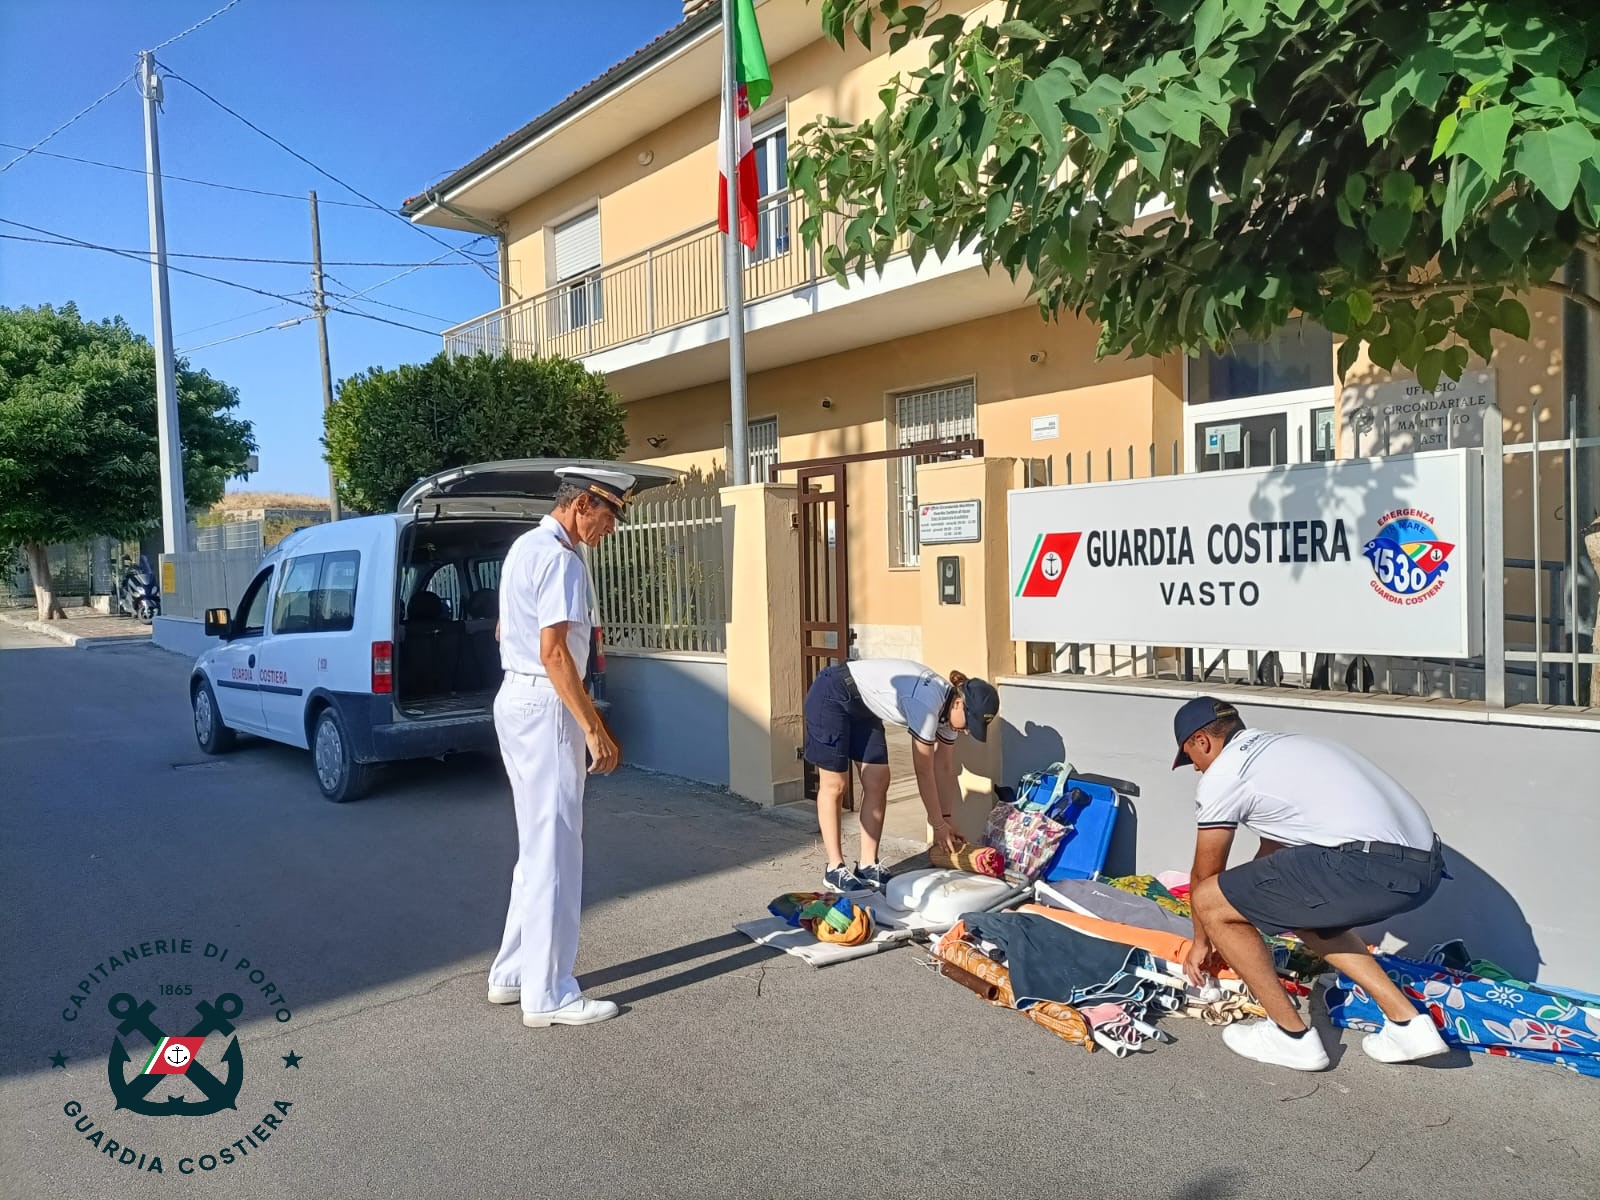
(84, 627)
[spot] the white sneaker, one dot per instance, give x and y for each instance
(504, 995)
(1407, 1042)
(1263, 1041)
(581, 1011)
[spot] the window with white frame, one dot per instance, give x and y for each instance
(575, 248)
(771, 139)
(937, 414)
(760, 446)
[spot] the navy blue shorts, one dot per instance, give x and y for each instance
(839, 728)
(1327, 889)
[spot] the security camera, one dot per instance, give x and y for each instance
(827, 402)
(656, 442)
(1037, 358)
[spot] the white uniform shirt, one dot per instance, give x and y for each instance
(1302, 790)
(543, 583)
(904, 693)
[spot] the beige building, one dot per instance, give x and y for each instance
(605, 206)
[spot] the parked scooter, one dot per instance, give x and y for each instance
(137, 593)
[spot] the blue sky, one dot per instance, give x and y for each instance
(388, 95)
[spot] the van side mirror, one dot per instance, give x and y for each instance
(217, 622)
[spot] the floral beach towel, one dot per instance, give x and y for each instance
(1492, 1015)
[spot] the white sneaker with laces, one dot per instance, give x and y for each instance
(504, 995)
(1400, 1042)
(581, 1011)
(1265, 1042)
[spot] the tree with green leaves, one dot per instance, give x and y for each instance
(79, 456)
(389, 428)
(1184, 170)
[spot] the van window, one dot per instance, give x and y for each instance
(442, 580)
(486, 573)
(334, 609)
(292, 611)
(252, 618)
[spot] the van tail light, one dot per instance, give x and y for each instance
(382, 668)
(599, 651)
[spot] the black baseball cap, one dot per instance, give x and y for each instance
(1195, 716)
(983, 705)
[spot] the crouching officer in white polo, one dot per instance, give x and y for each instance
(545, 722)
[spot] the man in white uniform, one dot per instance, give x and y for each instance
(545, 721)
(1342, 845)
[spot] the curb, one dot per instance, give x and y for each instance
(76, 640)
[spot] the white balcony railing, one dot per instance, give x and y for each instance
(674, 283)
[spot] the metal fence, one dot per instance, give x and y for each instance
(661, 576)
(78, 570)
(1541, 644)
(673, 283)
(203, 579)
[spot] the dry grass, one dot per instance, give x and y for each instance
(237, 500)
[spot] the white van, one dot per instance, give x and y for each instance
(373, 640)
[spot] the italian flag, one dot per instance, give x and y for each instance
(172, 1056)
(754, 82)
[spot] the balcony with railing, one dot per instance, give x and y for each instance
(668, 286)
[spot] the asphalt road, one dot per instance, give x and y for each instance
(730, 1073)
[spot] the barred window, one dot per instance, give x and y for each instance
(937, 414)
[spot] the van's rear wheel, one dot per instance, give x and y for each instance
(214, 737)
(339, 775)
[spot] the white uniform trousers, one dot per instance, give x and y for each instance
(543, 748)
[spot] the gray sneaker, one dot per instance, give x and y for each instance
(844, 879)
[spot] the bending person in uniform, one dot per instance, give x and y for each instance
(846, 710)
(545, 722)
(1342, 845)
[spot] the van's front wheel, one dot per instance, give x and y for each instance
(339, 775)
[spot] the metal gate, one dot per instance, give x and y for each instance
(824, 582)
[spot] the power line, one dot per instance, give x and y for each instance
(290, 323)
(323, 171)
(386, 282)
(285, 262)
(254, 312)
(354, 312)
(381, 304)
(179, 37)
(165, 178)
(82, 112)
(145, 258)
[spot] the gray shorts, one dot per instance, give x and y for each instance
(1329, 889)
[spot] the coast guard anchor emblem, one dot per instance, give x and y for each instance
(175, 1055)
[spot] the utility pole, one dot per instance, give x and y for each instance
(733, 252)
(321, 310)
(174, 510)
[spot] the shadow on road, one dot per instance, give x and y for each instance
(119, 831)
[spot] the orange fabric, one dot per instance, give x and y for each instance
(1169, 946)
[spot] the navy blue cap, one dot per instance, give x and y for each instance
(1195, 716)
(982, 704)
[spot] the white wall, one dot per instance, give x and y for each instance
(1516, 804)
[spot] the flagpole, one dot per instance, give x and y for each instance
(732, 256)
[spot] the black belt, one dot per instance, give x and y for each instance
(1394, 850)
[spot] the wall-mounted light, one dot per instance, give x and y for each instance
(646, 157)
(656, 442)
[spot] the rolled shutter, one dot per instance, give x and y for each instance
(577, 245)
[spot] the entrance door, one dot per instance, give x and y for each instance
(824, 580)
